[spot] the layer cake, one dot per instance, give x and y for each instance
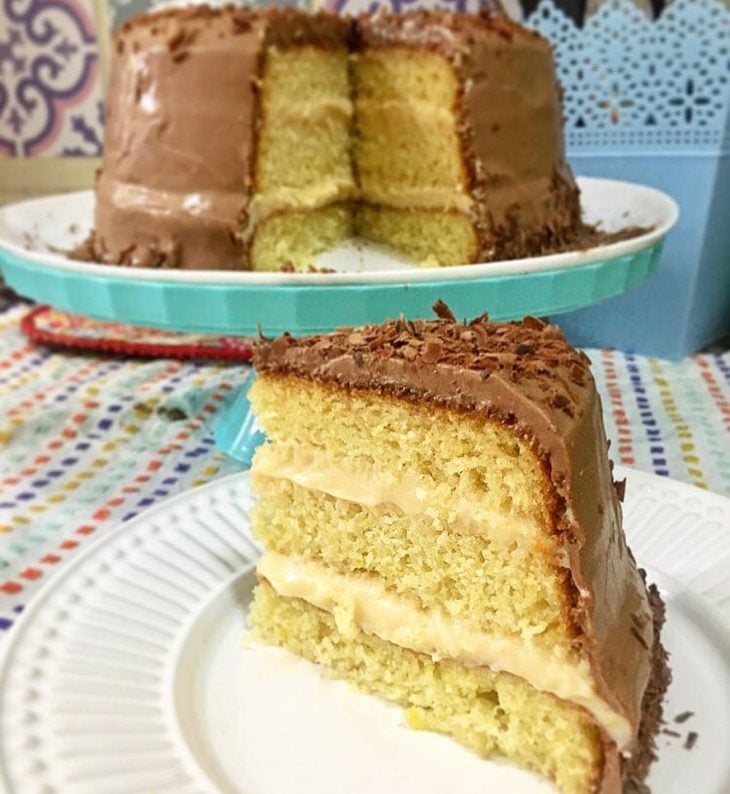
(441, 527)
(240, 139)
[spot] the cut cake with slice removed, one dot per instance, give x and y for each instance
(442, 528)
(241, 139)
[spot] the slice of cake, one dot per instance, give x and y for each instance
(255, 140)
(458, 138)
(441, 528)
(227, 140)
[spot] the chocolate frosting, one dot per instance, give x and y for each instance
(527, 377)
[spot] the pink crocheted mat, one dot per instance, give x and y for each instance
(50, 326)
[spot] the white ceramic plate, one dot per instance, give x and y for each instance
(40, 230)
(127, 673)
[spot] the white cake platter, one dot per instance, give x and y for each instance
(368, 285)
(128, 673)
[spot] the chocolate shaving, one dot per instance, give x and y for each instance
(533, 323)
(670, 732)
(241, 24)
(639, 637)
(479, 321)
(177, 38)
(442, 311)
(431, 351)
(638, 620)
(578, 375)
(684, 716)
(531, 353)
(281, 344)
(691, 740)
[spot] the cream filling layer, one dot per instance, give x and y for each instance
(285, 111)
(424, 198)
(373, 486)
(415, 111)
(322, 194)
(360, 602)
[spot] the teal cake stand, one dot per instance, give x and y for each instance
(240, 310)
(357, 284)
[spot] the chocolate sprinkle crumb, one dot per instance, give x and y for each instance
(684, 716)
(533, 355)
(620, 487)
(670, 732)
(442, 311)
(534, 323)
(639, 638)
(691, 740)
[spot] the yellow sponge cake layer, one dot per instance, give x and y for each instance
(409, 157)
(447, 455)
(431, 237)
(303, 170)
(305, 119)
(406, 146)
(291, 239)
(297, 76)
(406, 75)
(405, 121)
(492, 713)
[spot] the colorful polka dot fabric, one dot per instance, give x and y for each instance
(88, 441)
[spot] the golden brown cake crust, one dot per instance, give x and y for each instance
(526, 376)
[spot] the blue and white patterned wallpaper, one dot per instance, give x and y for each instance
(50, 92)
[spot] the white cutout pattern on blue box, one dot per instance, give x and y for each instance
(630, 81)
